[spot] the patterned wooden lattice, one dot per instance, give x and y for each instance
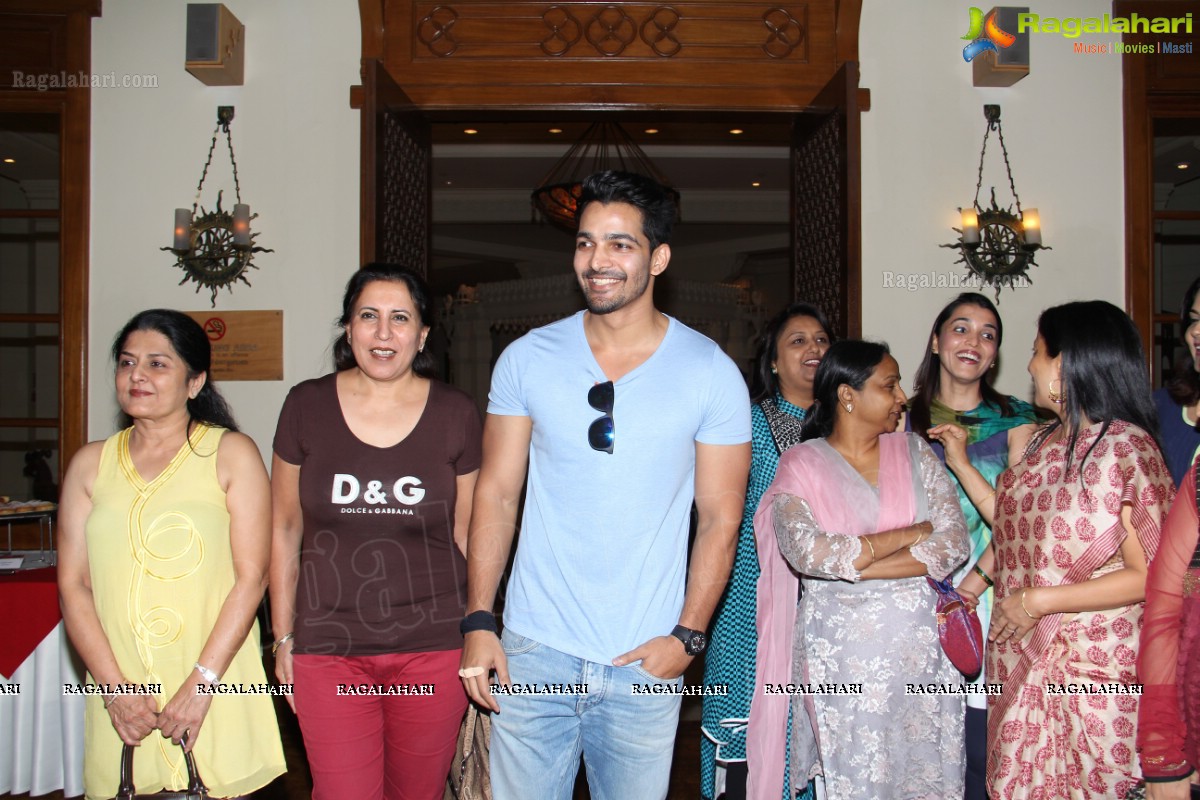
(404, 206)
(730, 31)
(818, 232)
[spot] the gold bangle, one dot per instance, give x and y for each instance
(868, 543)
(1023, 608)
(287, 637)
(986, 578)
(984, 499)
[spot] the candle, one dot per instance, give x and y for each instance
(183, 230)
(970, 226)
(1032, 222)
(241, 225)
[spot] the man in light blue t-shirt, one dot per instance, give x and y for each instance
(621, 416)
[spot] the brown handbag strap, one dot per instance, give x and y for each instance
(469, 731)
(126, 789)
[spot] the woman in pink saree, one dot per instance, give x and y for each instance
(861, 515)
(1168, 733)
(1076, 522)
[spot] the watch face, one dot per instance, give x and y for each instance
(694, 642)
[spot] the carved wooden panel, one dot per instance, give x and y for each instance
(404, 216)
(714, 32)
(396, 172)
(486, 54)
(817, 232)
(826, 192)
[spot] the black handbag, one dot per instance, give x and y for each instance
(125, 790)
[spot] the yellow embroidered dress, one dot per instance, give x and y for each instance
(161, 568)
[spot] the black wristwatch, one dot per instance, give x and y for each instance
(694, 642)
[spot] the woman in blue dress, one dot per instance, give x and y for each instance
(790, 348)
(954, 405)
(1178, 402)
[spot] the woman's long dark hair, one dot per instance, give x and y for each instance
(850, 362)
(928, 380)
(763, 382)
(1184, 386)
(343, 355)
(190, 344)
(1103, 371)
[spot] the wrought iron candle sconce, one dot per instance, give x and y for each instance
(216, 248)
(997, 246)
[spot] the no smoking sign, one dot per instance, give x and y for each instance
(215, 328)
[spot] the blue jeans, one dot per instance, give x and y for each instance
(626, 739)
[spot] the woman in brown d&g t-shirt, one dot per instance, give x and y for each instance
(372, 479)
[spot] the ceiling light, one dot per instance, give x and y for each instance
(470, 131)
(651, 131)
(755, 184)
(1180, 165)
(604, 145)
(556, 130)
(736, 131)
(10, 161)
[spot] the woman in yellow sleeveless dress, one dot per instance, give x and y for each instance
(165, 540)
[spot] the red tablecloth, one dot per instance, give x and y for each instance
(29, 606)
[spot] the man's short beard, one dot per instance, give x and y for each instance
(615, 303)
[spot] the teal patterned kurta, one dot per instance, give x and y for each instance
(987, 449)
(730, 657)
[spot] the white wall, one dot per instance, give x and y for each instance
(296, 141)
(297, 144)
(920, 147)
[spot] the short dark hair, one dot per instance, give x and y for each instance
(850, 362)
(191, 344)
(1184, 386)
(343, 354)
(1103, 370)
(645, 194)
(928, 379)
(763, 382)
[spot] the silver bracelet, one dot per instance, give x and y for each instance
(209, 676)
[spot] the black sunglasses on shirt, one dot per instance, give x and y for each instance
(602, 432)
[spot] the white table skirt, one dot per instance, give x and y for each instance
(41, 731)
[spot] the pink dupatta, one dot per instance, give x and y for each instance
(805, 471)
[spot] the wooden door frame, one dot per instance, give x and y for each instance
(66, 25)
(1154, 86)
(511, 76)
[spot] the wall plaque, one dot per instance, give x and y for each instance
(246, 345)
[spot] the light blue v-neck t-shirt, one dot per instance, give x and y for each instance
(602, 554)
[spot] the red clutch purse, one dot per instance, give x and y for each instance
(958, 629)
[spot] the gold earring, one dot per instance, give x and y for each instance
(1056, 396)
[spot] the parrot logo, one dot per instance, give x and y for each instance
(985, 35)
